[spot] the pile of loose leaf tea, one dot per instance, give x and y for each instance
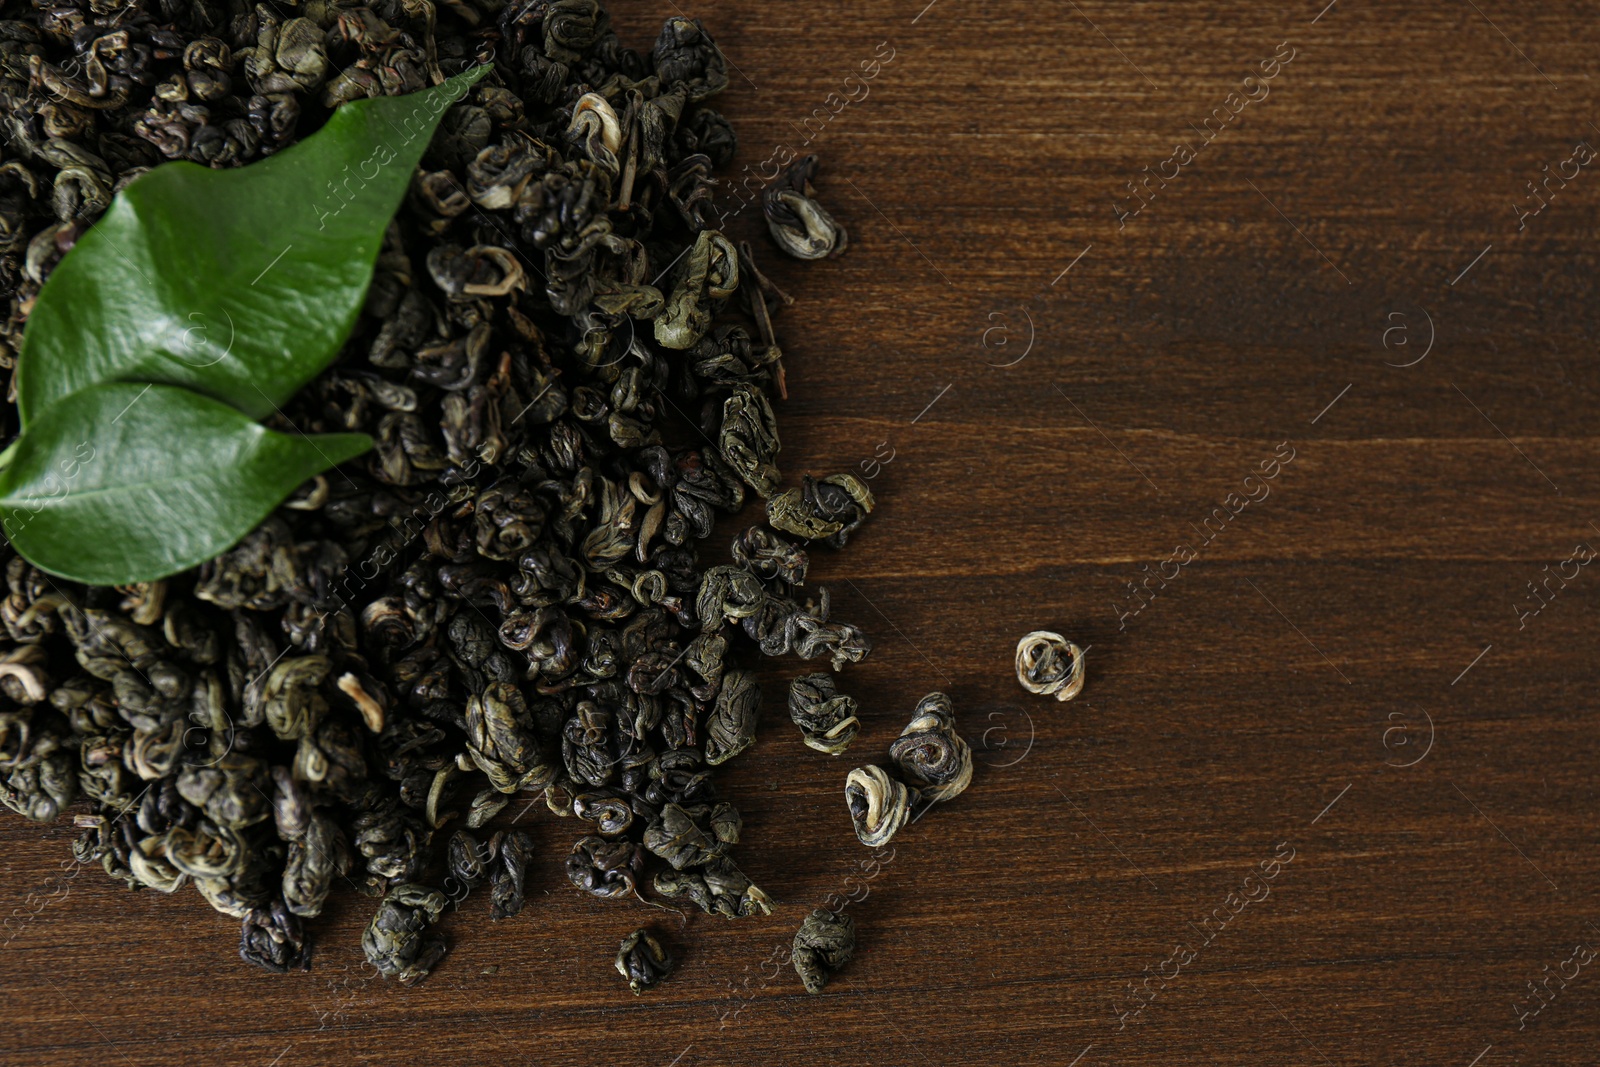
(567, 371)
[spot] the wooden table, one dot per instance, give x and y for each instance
(1345, 664)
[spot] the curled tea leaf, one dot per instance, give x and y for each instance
(731, 727)
(595, 126)
(708, 275)
(824, 943)
(485, 806)
(512, 852)
(272, 939)
(768, 556)
(878, 804)
(826, 717)
(829, 510)
(798, 224)
(693, 836)
(930, 753)
(719, 888)
(686, 57)
(783, 626)
(728, 594)
(468, 859)
(294, 707)
(643, 961)
(391, 841)
(749, 438)
(314, 860)
(607, 869)
(609, 815)
(1050, 665)
(399, 940)
(500, 742)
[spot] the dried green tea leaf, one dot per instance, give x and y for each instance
(749, 438)
(607, 869)
(825, 942)
(643, 961)
(720, 888)
(1050, 665)
(826, 717)
(878, 804)
(731, 727)
(513, 849)
(399, 940)
(768, 556)
(798, 224)
(930, 753)
(271, 938)
(828, 510)
(693, 836)
(708, 275)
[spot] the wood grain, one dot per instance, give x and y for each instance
(1251, 703)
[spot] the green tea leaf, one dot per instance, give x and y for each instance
(240, 284)
(127, 483)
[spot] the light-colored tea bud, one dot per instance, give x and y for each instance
(878, 804)
(1050, 665)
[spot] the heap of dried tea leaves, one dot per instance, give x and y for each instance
(567, 369)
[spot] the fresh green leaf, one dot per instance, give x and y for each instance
(241, 284)
(126, 483)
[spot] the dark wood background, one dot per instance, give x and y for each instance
(1364, 616)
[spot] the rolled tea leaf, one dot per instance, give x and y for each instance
(607, 869)
(271, 938)
(642, 961)
(720, 888)
(825, 942)
(828, 510)
(609, 815)
(799, 225)
(769, 556)
(1050, 665)
(398, 940)
(693, 836)
(129, 483)
(728, 593)
(749, 438)
(826, 717)
(241, 284)
(930, 753)
(468, 859)
(686, 57)
(878, 804)
(314, 860)
(512, 851)
(707, 276)
(485, 806)
(501, 742)
(731, 727)
(391, 840)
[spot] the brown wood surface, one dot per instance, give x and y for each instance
(1267, 696)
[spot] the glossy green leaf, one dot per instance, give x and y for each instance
(127, 482)
(241, 284)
